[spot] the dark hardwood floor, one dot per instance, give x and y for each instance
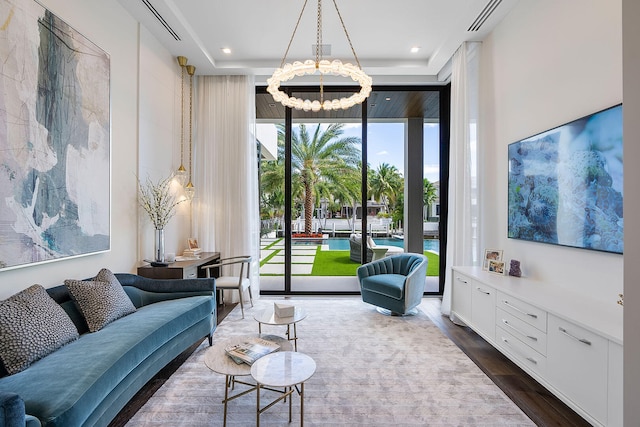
(542, 407)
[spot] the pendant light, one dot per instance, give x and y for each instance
(190, 189)
(181, 173)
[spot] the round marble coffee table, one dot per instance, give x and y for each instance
(218, 361)
(268, 317)
(284, 369)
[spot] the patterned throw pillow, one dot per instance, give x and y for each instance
(32, 325)
(101, 301)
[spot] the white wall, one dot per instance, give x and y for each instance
(112, 28)
(546, 64)
(159, 143)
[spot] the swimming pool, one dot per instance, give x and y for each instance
(342, 244)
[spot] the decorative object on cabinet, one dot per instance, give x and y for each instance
(193, 243)
(181, 173)
(192, 248)
(289, 71)
(514, 269)
(497, 267)
(190, 189)
(491, 254)
(565, 184)
(160, 204)
(55, 144)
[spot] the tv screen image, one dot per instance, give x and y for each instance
(565, 184)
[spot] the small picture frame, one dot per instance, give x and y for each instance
(193, 243)
(497, 267)
(491, 255)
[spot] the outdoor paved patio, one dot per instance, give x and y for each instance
(302, 259)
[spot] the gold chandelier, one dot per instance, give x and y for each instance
(288, 71)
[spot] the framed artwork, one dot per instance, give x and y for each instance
(497, 267)
(193, 243)
(491, 255)
(54, 139)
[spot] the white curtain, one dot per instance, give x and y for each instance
(226, 215)
(462, 231)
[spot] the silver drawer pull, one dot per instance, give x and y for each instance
(582, 340)
(484, 292)
(530, 359)
(518, 330)
(460, 279)
(535, 316)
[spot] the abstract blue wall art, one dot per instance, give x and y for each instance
(565, 184)
(54, 139)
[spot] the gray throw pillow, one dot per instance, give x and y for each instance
(32, 325)
(101, 301)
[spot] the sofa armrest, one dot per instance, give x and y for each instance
(11, 410)
(143, 291)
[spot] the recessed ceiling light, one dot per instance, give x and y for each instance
(415, 49)
(226, 50)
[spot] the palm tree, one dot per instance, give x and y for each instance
(386, 184)
(429, 194)
(323, 163)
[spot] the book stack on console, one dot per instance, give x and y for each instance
(192, 252)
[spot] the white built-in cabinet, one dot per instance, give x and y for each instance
(569, 343)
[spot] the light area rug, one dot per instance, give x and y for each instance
(372, 370)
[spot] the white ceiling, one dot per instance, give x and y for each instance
(258, 31)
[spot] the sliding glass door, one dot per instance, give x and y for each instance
(315, 211)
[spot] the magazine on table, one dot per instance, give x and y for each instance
(251, 350)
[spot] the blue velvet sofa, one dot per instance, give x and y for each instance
(88, 381)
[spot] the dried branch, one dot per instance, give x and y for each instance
(156, 199)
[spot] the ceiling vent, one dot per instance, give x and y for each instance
(160, 19)
(325, 49)
(484, 15)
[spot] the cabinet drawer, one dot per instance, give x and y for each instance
(190, 272)
(523, 311)
(520, 351)
(461, 296)
(483, 310)
(528, 334)
(578, 365)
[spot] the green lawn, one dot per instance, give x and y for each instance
(337, 263)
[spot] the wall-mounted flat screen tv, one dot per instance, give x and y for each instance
(565, 184)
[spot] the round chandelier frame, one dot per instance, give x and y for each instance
(289, 71)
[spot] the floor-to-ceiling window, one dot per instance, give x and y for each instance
(312, 194)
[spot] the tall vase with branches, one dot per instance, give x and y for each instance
(159, 203)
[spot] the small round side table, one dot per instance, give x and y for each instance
(268, 317)
(284, 369)
(218, 361)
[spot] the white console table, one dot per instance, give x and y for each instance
(570, 343)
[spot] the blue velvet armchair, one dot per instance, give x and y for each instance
(394, 283)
